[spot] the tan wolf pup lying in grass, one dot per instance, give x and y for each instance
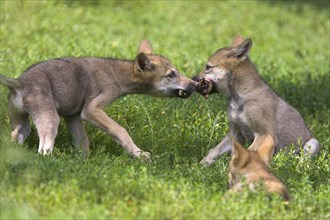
(254, 110)
(80, 88)
(251, 168)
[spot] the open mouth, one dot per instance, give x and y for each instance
(181, 93)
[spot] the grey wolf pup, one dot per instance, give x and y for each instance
(250, 168)
(80, 88)
(254, 110)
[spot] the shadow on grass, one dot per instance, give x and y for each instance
(310, 94)
(98, 3)
(299, 4)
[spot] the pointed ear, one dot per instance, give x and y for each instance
(143, 63)
(241, 51)
(239, 153)
(145, 47)
(266, 149)
(237, 41)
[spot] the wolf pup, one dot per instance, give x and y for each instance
(251, 168)
(80, 88)
(254, 110)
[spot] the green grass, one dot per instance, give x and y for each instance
(291, 52)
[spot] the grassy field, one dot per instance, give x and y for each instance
(291, 52)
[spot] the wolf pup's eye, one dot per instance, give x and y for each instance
(172, 74)
(208, 67)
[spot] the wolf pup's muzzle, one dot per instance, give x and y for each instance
(185, 92)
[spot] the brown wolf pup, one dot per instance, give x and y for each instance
(254, 110)
(80, 88)
(251, 168)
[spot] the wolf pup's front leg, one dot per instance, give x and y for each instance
(100, 119)
(223, 147)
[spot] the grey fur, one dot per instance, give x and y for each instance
(80, 88)
(254, 110)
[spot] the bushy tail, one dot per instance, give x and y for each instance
(10, 82)
(312, 147)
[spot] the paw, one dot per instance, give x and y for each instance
(145, 156)
(14, 134)
(20, 138)
(45, 151)
(206, 161)
(20, 134)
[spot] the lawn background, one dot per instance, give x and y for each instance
(291, 52)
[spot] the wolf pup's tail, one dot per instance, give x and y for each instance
(10, 82)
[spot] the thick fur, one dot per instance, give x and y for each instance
(250, 168)
(80, 88)
(254, 110)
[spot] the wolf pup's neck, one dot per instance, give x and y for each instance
(129, 82)
(243, 79)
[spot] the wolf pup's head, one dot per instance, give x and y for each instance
(160, 77)
(219, 70)
(250, 168)
(244, 162)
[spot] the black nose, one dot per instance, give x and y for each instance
(197, 78)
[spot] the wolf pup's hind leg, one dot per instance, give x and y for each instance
(21, 128)
(19, 120)
(47, 125)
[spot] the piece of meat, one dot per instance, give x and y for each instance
(204, 87)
